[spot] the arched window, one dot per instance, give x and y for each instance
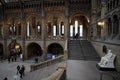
(99, 31)
(71, 30)
(115, 25)
(76, 27)
(109, 26)
(63, 29)
(54, 30)
(38, 29)
(28, 29)
(10, 30)
(81, 30)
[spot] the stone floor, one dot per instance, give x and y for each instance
(76, 70)
(83, 70)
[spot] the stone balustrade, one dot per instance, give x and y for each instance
(36, 66)
(60, 74)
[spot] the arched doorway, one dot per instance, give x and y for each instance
(79, 26)
(54, 50)
(15, 50)
(33, 50)
(1, 49)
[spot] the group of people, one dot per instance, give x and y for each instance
(21, 71)
(12, 58)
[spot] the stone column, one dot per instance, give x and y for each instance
(67, 20)
(43, 32)
(23, 38)
(66, 35)
(57, 27)
(23, 32)
(5, 36)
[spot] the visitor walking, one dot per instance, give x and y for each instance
(23, 69)
(21, 73)
(5, 78)
(18, 69)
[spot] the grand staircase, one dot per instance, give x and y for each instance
(81, 50)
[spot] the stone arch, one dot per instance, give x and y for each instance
(32, 21)
(80, 14)
(14, 49)
(59, 16)
(1, 49)
(55, 49)
(54, 19)
(14, 22)
(82, 20)
(33, 49)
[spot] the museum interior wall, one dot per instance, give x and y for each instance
(36, 27)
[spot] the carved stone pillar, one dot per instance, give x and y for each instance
(23, 38)
(43, 32)
(5, 36)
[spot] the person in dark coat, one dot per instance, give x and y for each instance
(9, 59)
(23, 69)
(5, 78)
(18, 69)
(21, 73)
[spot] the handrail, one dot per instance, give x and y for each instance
(60, 74)
(34, 67)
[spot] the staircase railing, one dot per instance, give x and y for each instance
(36, 66)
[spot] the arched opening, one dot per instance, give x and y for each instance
(15, 50)
(54, 50)
(109, 27)
(1, 49)
(33, 50)
(79, 26)
(33, 27)
(115, 25)
(55, 26)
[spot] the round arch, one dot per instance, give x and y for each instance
(55, 23)
(34, 49)
(54, 50)
(15, 49)
(79, 25)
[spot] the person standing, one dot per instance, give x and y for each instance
(21, 73)
(23, 69)
(5, 78)
(18, 69)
